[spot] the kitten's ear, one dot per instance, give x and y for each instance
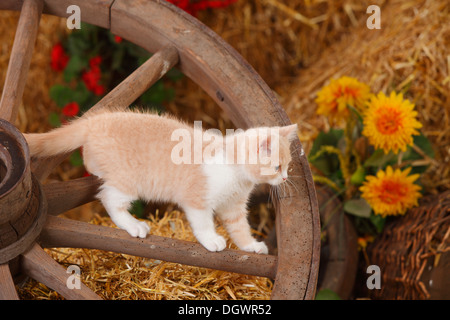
(289, 132)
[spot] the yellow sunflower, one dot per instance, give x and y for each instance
(333, 100)
(391, 192)
(390, 122)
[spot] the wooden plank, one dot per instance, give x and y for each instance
(63, 196)
(7, 288)
(60, 232)
(94, 12)
(20, 59)
(37, 264)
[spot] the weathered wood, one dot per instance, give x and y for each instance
(63, 196)
(24, 241)
(17, 180)
(120, 98)
(61, 232)
(20, 198)
(37, 264)
(341, 263)
(20, 58)
(92, 11)
(7, 288)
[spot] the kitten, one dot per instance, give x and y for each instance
(137, 155)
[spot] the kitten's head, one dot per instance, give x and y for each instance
(272, 158)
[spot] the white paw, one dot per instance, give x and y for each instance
(258, 247)
(137, 228)
(214, 242)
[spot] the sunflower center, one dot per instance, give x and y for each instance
(389, 121)
(392, 192)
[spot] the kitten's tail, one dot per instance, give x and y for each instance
(64, 139)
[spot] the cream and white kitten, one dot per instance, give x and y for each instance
(133, 154)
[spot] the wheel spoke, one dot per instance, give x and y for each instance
(7, 288)
(120, 98)
(19, 62)
(61, 232)
(63, 196)
(37, 264)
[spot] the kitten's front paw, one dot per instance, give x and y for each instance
(214, 243)
(137, 229)
(258, 247)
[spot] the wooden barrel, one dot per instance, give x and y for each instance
(20, 195)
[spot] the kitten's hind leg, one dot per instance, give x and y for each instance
(202, 224)
(116, 204)
(235, 221)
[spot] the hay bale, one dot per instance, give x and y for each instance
(36, 104)
(408, 54)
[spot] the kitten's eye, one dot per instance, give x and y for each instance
(277, 168)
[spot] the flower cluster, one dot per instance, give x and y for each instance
(375, 151)
(59, 58)
(193, 6)
(92, 76)
(333, 100)
(71, 109)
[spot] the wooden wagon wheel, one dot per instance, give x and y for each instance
(28, 209)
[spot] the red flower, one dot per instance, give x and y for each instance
(91, 77)
(71, 109)
(117, 39)
(99, 90)
(59, 58)
(95, 61)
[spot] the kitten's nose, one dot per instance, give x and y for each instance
(284, 179)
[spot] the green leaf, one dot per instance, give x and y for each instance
(358, 207)
(158, 94)
(378, 222)
(74, 67)
(62, 95)
(358, 176)
(379, 159)
(75, 159)
(425, 146)
(327, 294)
(81, 95)
(326, 163)
(54, 120)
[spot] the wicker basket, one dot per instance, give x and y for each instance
(413, 253)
